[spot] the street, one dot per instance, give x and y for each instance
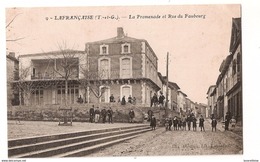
(161, 142)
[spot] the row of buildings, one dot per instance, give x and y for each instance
(226, 95)
(119, 66)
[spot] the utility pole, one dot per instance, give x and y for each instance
(167, 84)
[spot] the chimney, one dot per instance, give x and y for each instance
(12, 54)
(120, 32)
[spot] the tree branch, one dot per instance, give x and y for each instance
(13, 40)
(12, 20)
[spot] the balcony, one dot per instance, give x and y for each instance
(50, 76)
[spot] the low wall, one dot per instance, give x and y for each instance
(80, 112)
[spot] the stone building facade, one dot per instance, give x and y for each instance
(12, 67)
(119, 66)
(227, 95)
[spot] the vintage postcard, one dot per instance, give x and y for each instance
(120, 81)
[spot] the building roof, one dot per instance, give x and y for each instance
(52, 53)
(210, 87)
(122, 38)
(224, 68)
(174, 85)
(213, 92)
(12, 58)
(182, 93)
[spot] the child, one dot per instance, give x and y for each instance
(170, 124)
(214, 124)
(179, 124)
(201, 123)
(233, 122)
(184, 124)
(166, 124)
(153, 122)
(175, 123)
(194, 124)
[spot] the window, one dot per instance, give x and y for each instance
(238, 62)
(126, 67)
(125, 90)
(34, 72)
(125, 48)
(104, 49)
(105, 93)
(104, 68)
(234, 70)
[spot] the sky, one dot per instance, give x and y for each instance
(196, 45)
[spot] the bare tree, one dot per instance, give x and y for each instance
(27, 87)
(94, 80)
(67, 64)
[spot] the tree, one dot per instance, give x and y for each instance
(27, 87)
(94, 80)
(66, 64)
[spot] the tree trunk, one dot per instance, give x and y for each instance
(66, 92)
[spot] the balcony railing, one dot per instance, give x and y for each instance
(48, 76)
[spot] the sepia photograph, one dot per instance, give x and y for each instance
(124, 81)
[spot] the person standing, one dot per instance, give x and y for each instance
(154, 100)
(184, 124)
(110, 115)
(97, 115)
(104, 115)
(91, 114)
(189, 122)
(123, 102)
(194, 123)
(153, 122)
(166, 124)
(201, 123)
(161, 100)
(233, 123)
(131, 115)
(170, 123)
(214, 124)
(179, 124)
(130, 99)
(111, 98)
(227, 120)
(134, 100)
(175, 123)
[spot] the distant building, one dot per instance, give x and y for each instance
(211, 101)
(181, 100)
(172, 92)
(12, 66)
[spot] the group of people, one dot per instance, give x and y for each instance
(155, 101)
(182, 124)
(130, 99)
(229, 120)
(95, 115)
